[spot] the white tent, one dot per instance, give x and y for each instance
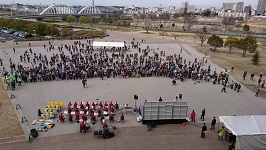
(108, 44)
(250, 131)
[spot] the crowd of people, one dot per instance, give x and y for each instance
(80, 61)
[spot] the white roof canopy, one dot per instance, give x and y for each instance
(245, 125)
(109, 44)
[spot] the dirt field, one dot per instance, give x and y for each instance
(10, 126)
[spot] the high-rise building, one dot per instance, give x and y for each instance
(235, 7)
(183, 7)
(261, 7)
(191, 9)
(239, 7)
(247, 9)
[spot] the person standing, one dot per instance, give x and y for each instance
(203, 130)
(238, 87)
(84, 82)
(213, 123)
(257, 92)
(160, 99)
(221, 133)
(262, 84)
(193, 116)
(202, 114)
(245, 74)
(224, 89)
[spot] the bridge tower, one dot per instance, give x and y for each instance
(92, 3)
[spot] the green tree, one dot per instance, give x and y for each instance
(40, 29)
(83, 19)
(52, 30)
(206, 13)
(70, 19)
(256, 58)
(249, 43)
(173, 24)
(246, 28)
(215, 41)
(231, 42)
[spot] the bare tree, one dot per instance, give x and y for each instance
(165, 17)
(228, 22)
(189, 21)
(202, 35)
(147, 25)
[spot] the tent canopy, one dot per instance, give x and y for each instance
(245, 125)
(109, 44)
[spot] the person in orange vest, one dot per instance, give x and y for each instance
(122, 117)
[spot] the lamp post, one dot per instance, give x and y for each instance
(61, 30)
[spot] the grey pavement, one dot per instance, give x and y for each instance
(33, 96)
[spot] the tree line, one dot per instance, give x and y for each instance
(246, 44)
(38, 28)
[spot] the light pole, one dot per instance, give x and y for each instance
(61, 29)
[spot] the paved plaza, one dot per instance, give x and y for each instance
(34, 96)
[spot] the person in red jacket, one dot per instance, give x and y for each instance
(116, 105)
(75, 105)
(111, 117)
(91, 112)
(93, 118)
(193, 116)
(112, 110)
(81, 105)
(122, 117)
(70, 117)
(77, 116)
(105, 125)
(69, 109)
(99, 111)
(82, 127)
(84, 118)
(61, 118)
(88, 105)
